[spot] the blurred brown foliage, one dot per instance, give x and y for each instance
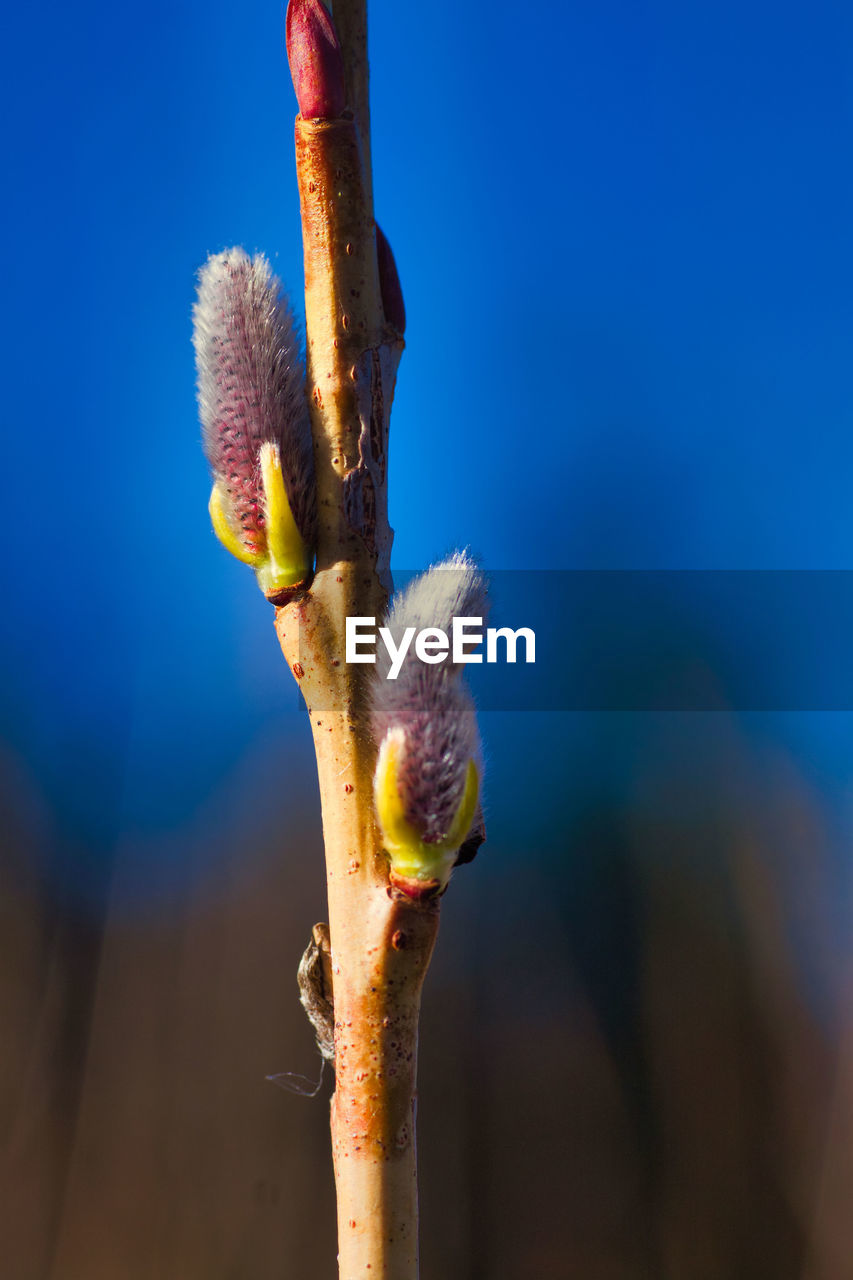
(641, 1070)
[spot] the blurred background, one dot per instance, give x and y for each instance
(623, 232)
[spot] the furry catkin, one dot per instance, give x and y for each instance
(251, 391)
(431, 703)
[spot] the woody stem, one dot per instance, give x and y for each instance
(381, 942)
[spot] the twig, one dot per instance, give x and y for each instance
(381, 941)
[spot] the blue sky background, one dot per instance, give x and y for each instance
(624, 236)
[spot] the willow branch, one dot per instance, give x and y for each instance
(381, 941)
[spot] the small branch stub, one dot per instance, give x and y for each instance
(314, 977)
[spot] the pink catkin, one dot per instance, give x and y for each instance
(251, 390)
(431, 703)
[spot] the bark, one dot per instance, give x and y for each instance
(381, 941)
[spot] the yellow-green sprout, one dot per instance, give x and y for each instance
(412, 857)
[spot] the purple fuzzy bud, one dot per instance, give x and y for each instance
(455, 588)
(251, 391)
(431, 702)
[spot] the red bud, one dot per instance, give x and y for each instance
(389, 283)
(418, 890)
(316, 64)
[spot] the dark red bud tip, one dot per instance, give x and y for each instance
(414, 889)
(472, 842)
(287, 595)
(389, 283)
(316, 64)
